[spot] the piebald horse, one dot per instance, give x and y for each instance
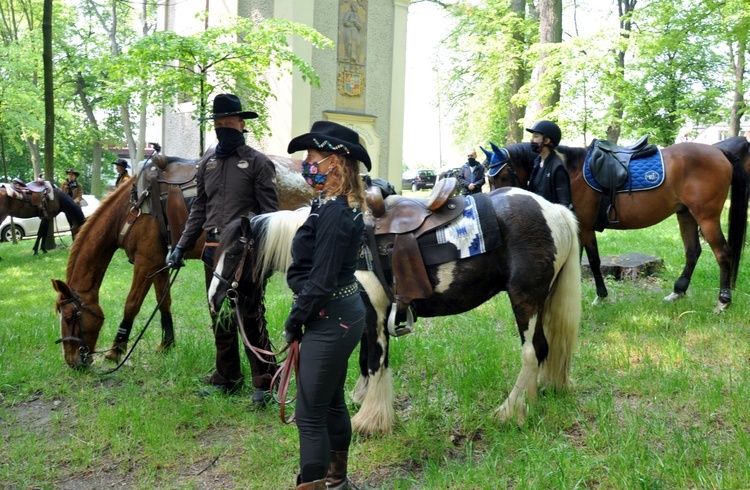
(535, 258)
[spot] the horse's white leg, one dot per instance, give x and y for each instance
(515, 405)
(360, 389)
(376, 415)
(672, 297)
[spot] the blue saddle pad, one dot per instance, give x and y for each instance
(474, 232)
(645, 174)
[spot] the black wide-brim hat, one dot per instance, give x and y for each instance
(73, 171)
(226, 105)
(333, 137)
(121, 163)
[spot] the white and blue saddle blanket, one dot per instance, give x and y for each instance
(645, 174)
(474, 232)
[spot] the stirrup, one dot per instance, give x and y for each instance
(399, 330)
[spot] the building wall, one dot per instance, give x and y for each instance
(373, 107)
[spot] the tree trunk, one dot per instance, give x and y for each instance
(96, 154)
(624, 8)
(514, 132)
(49, 105)
(738, 104)
(550, 32)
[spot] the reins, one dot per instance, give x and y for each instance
(291, 361)
(83, 351)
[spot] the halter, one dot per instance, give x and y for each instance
(76, 320)
(515, 179)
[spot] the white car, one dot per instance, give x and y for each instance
(29, 227)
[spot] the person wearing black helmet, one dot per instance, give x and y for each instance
(549, 178)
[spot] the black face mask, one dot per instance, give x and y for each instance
(472, 161)
(536, 147)
(229, 140)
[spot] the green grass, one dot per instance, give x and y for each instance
(660, 395)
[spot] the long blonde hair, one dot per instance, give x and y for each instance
(344, 180)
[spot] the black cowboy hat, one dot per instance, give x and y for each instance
(121, 163)
(330, 136)
(226, 105)
(72, 171)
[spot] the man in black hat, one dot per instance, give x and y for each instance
(71, 186)
(122, 173)
(232, 181)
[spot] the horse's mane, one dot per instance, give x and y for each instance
(72, 210)
(94, 231)
(574, 156)
(521, 153)
(273, 233)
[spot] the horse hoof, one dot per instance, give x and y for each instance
(720, 307)
(115, 353)
(165, 347)
(673, 297)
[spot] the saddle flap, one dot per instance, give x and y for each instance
(177, 213)
(409, 272)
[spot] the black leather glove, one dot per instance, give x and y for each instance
(176, 258)
(292, 331)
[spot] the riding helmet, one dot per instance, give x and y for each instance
(548, 129)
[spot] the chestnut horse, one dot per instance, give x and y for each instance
(60, 203)
(697, 180)
(81, 317)
(534, 256)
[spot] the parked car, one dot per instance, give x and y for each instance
(451, 172)
(29, 227)
(418, 179)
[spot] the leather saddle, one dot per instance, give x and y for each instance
(395, 224)
(610, 166)
(36, 193)
(163, 188)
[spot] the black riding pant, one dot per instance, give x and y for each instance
(322, 417)
(226, 337)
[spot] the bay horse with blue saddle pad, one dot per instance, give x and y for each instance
(694, 181)
(509, 240)
(39, 199)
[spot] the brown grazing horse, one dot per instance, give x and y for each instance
(531, 252)
(46, 211)
(697, 181)
(81, 317)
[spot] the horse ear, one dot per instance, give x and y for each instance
(61, 288)
(245, 225)
(488, 154)
(494, 147)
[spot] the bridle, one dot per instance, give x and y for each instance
(75, 320)
(515, 180)
(283, 375)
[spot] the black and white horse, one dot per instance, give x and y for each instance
(533, 255)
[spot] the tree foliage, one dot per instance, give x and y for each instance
(645, 67)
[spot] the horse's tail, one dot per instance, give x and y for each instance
(562, 310)
(275, 239)
(737, 213)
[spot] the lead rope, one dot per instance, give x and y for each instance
(167, 288)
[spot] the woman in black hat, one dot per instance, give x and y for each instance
(71, 186)
(122, 173)
(326, 299)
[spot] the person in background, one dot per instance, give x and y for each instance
(122, 171)
(549, 178)
(471, 175)
(327, 302)
(236, 180)
(72, 187)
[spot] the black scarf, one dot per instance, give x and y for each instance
(229, 140)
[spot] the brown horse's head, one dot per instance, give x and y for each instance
(80, 324)
(510, 166)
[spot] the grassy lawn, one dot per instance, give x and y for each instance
(660, 396)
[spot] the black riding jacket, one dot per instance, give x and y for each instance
(550, 180)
